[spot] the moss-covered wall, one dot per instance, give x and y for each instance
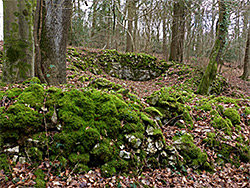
(129, 66)
(79, 127)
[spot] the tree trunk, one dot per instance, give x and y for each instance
(135, 28)
(54, 19)
(94, 16)
(164, 37)
(215, 56)
(178, 32)
(129, 42)
(246, 72)
(19, 49)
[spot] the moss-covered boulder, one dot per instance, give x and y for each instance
(220, 123)
(192, 155)
(227, 153)
(171, 106)
(102, 83)
(233, 115)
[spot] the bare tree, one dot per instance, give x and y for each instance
(129, 38)
(246, 72)
(178, 31)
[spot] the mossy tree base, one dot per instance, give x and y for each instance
(210, 72)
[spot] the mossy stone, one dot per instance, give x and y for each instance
(223, 124)
(104, 151)
(75, 108)
(206, 107)
(20, 120)
(233, 115)
(14, 92)
(35, 154)
(33, 80)
(75, 158)
(192, 154)
(108, 170)
(247, 110)
(32, 96)
(153, 111)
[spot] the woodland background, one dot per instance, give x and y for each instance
(147, 26)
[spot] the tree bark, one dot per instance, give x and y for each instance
(129, 42)
(246, 72)
(215, 56)
(178, 32)
(54, 29)
(19, 49)
(94, 16)
(164, 37)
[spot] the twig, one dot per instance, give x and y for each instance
(173, 119)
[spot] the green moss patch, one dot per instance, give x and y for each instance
(225, 153)
(82, 128)
(192, 155)
(171, 105)
(233, 115)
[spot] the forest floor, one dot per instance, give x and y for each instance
(226, 176)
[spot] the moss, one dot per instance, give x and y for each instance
(226, 100)
(90, 137)
(14, 92)
(158, 133)
(103, 151)
(33, 80)
(192, 155)
(35, 154)
(75, 158)
(247, 110)
(146, 119)
(73, 52)
(20, 120)
(75, 108)
(108, 170)
(102, 83)
(32, 96)
(206, 107)
(72, 76)
(4, 163)
(187, 118)
(220, 109)
(153, 111)
(225, 152)
(233, 115)
(223, 124)
(81, 168)
(210, 140)
(40, 178)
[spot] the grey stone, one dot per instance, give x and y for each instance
(12, 150)
(124, 154)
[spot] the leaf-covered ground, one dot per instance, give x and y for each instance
(228, 175)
